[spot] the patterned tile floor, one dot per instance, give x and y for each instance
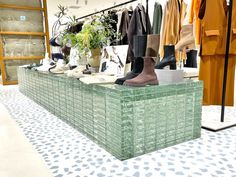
(70, 154)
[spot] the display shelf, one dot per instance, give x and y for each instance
(126, 121)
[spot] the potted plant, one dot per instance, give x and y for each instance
(95, 34)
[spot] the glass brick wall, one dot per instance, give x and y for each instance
(125, 121)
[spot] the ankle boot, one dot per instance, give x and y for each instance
(191, 61)
(137, 66)
(169, 58)
(148, 75)
(187, 40)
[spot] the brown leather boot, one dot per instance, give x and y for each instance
(148, 75)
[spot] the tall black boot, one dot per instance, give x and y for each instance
(191, 61)
(140, 43)
(169, 58)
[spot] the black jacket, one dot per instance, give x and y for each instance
(124, 25)
(137, 26)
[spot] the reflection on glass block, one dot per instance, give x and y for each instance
(14, 45)
(125, 121)
(12, 65)
(21, 20)
(34, 3)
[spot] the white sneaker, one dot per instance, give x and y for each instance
(77, 72)
(60, 68)
(46, 64)
(99, 79)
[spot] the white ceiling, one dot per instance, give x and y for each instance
(92, 6)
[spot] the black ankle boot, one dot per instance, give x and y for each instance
(169, 58)
(140, 43)
(191, 61)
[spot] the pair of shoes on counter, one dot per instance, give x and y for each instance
(145, 51)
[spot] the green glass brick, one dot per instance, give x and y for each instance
(126, 121)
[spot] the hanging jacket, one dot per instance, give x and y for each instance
(214, 26)
(157, 18)
(171, 25)
(195, 6)
(124, 25)
(137, 27)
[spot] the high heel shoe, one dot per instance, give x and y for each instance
(191, 61)
(187, 40)
(169, 58)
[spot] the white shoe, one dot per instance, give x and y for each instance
(77, 72)
(60, 68)
(99, 79)
(46, 64)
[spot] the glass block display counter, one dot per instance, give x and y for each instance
(126, 121)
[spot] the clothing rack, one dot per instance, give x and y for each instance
(110, 8)
(226, 61)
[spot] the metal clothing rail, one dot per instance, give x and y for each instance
(226, 61)
(101, 11)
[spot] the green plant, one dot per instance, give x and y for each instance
(95, 33)
(69, 39)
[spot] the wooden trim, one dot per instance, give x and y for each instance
(10, 82)
(23, 58)
(9, 6)
(2, 66)
(3, 71)
(22, 33)
(46, 27)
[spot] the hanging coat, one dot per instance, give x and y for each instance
(137, 27)
(173, 19)
(195, 6)
(124, 25)
(213, 34)
(157, 18)
(213, 45)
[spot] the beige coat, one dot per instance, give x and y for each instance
(174, 14)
